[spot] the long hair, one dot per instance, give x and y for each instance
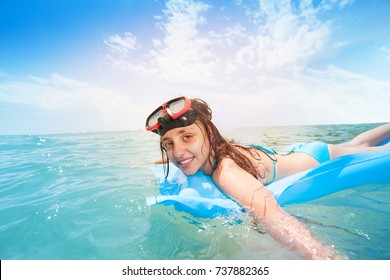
(221, 147)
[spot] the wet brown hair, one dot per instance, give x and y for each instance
(221, 147)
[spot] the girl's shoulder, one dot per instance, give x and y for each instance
(225, 166)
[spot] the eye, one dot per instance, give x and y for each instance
(187, 137)
(167, 145)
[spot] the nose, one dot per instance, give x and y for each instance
(178, 150)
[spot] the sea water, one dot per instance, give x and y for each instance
(82, 196)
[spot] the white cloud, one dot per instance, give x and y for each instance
(311, 97)
(260, 64)
(121, 45)
(282, 35)
(330, 4)
(182, 54)
(385, 52)
(344, 3)
(65, 98)
(264, 61)
(286, 35)
(341, 44)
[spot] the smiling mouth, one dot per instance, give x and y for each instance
(185, 162)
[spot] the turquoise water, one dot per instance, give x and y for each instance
(82, 196)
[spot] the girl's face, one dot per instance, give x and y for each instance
(188, 149)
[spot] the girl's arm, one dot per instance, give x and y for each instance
(158, 161)
(259, 202)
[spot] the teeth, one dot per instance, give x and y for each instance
(185, 161)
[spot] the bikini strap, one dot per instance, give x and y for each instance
(274, 176)
(262, 148)
(269, 151)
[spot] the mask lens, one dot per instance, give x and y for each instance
(153, 119)
(177, 106)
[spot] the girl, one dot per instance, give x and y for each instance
(190, 140)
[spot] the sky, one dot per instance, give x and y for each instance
(104, 65)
